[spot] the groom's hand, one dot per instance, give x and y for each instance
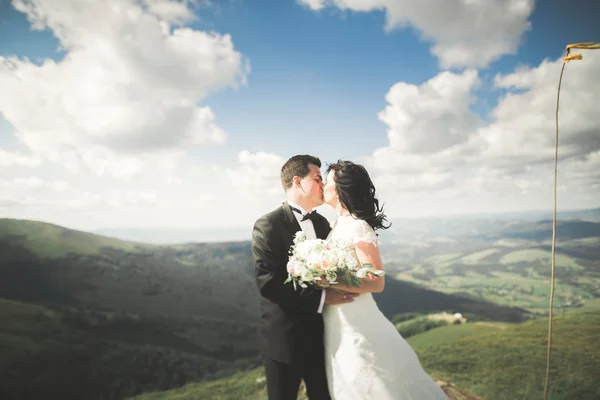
(323, 283)
(334, 296)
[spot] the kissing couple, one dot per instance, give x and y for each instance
(335, 339)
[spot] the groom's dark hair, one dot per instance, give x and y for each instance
(297, 165)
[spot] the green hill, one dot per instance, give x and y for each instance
(543, 230)
(123, 318)
(54, 266)
(450, 333)
(118, 317)
(41, 263)
(81, 353)
(498, 361)
(493, 361)
(53, 241)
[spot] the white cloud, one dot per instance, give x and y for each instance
(584, 173)
(257, 176)
(464, 32)
(176, 12)
(314, 5)
(9, 159)
(31, 183)
(128, 86)
(524, 123)
(433, 116)
(192, 196)
(438, 150)
(61, 195)
(116, 199)
(127, 102)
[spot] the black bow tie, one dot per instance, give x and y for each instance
(311, 215)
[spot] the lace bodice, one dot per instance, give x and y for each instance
(353, 230)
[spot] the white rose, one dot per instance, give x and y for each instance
(299, 237)
(292, 266)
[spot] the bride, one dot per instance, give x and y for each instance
(365, 356)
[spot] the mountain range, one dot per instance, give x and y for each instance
(122, 318)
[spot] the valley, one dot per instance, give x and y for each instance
(505, 262)
(95, 317)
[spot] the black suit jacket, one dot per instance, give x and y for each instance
(290, 329)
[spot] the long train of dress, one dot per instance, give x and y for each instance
(366, 358)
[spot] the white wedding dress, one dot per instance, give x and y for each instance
(365, 356)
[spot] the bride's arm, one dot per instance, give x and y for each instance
(367, 253)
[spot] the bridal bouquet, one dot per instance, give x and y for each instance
(332, 260)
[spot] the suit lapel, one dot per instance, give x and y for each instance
(290, 221)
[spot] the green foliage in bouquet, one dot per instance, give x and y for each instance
(355, 279)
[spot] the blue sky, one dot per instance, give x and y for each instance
(317, 81)
(321, 76)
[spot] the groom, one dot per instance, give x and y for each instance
(290, 336)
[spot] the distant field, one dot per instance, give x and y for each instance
(478, 256)
(508, 288)
(591, 306)
(443, 258)
(589, 241)
(531, 255)
(510, 270)
(511, 243)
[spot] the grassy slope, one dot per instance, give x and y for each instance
(242, 386)
(19, 330)
(510, 362)
(104, 355)
(451, 333)
(52, 241)
(493, 360)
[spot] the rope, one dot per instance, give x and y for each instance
(568, 57)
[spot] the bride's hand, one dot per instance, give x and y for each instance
(335, 296)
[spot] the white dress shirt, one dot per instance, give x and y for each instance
(309, 229)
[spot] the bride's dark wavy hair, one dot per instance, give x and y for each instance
(357, 193)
